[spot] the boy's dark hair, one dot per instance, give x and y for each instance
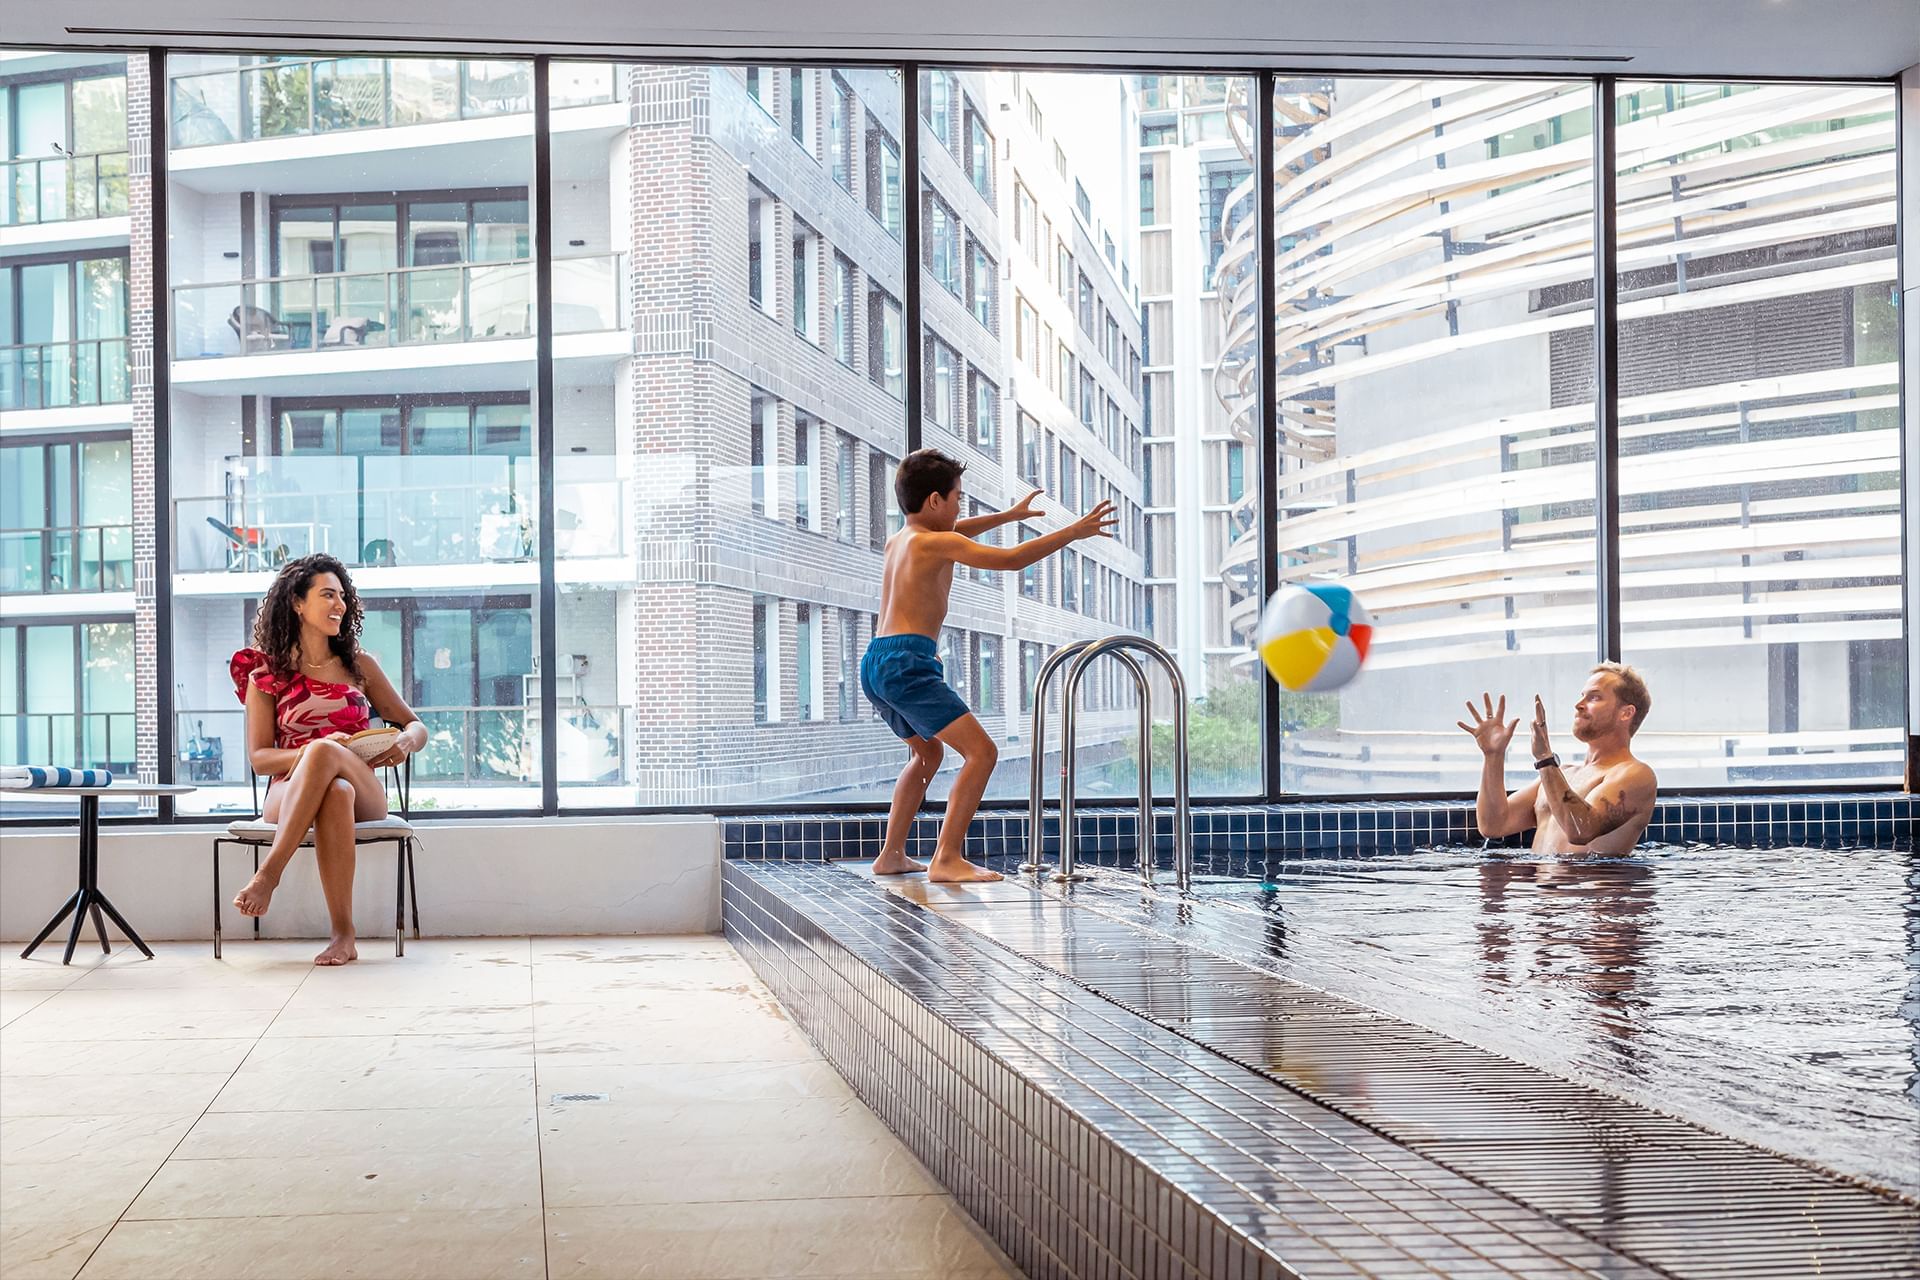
(924, 472)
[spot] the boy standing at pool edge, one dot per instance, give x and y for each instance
(901, 673)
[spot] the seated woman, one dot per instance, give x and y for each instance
(308, 686)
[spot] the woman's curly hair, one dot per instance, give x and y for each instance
(276, 628)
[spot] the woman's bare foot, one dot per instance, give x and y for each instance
(896, 863)
(945, 869)
(253, 900)
(340, 950)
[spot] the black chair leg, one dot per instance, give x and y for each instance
(400, 898)
(256, 871)
(413, 890)
(216, 898)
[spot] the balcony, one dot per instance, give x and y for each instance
(370, 123)
(65, 560)
(63, 202)
(381, 328)
(64, 375)
(404, 522)
(92, 739)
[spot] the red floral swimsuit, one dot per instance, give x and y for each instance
(303, 708)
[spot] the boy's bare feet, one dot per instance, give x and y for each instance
(896, 863)
(253, 900)
(954, 869)
(340, 950)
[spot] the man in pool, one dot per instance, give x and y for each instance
(1604, 803)
(901, 673)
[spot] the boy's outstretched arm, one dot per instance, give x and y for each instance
(974, 526)
(959, 548)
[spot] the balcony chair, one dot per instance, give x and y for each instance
(257, 833)
(258, 330)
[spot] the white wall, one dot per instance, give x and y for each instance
(476, 878)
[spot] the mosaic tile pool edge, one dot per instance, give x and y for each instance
(1225, 834)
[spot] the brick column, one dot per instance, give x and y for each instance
(146, 516)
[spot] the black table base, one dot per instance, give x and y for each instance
(87, 899)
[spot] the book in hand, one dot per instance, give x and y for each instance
(371, 744)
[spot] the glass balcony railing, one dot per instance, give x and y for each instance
(86, 739)
(63, 188)
(60, 375)
(303, 97)
(466, 746)
(404, 306)
(56, 560)
(397, 512)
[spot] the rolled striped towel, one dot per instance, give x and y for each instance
(34, 777)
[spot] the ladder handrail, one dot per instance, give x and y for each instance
(1037, 783)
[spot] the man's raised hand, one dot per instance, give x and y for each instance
(1097, 523)
(1491, 731)
(1025, 510)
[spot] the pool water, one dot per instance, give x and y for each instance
(1773, 995)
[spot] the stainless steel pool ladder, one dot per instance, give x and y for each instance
(1082, 653)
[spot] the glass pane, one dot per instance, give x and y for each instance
(100, 114)
(419, 474)
(1465, 529)
(1760, 440)
(691, 688)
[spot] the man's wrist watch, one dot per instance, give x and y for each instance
(1544, 761)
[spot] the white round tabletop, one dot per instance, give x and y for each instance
(117, 789)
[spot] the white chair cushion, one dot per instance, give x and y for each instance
(255, 831)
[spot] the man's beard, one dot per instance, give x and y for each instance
(1583, 731)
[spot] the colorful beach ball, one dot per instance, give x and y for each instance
(1314, 637)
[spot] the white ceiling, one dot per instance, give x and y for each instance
(1669, 38)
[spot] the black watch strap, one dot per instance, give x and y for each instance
(1544, 761)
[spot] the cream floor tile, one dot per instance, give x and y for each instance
(15, 1003)
(464, 1132)
(701, 1082)
(668, 1026)
(426, 989)
(602, 1153)
(389, 1181)
(54, 1022)
(375, 1088)
(579, 981)
(474, 1245)
(379, 1020)
(84, 1000)
(29, 975)
(204, 973)
(119, 1057)
(171, 1092)
(654, 944)
(48, 1250)
(881, 1239)
(338, 1053)
(124, 1139)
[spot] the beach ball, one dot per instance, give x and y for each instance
(1314, 637)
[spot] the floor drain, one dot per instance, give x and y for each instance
(582, 1097)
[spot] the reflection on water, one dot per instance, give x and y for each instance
(1774, 995)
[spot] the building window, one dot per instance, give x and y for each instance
(1089, 587)
(840, 133)
(760, 87)
(942, 369)
(804, 506)
(1063, 272)
(847, 694)
(1069, 581)
(759, 236)
(942, 89)
(986, 412)
(1087, 396)
(63, 332)
(799, 109)
(66, 694)
(1027, 448)
(886, 364)
(1029, 576)
(843, 464)
(1080, 202)
(66, 517)
(980, 284)
(1029, 674)
(943, 245)
(1086, 305)
(986, 681)
(806, 666)
(843, 310)
(1069, 468)
(766, 659)
(68, 143)
(759, 430)
(880, 509)
(980, 156)
(806, 282)
(883, 180)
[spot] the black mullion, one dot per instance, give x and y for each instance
(1606, 334)
(549, 642)
(157, 128)
(1269, 533)
(913, 331)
